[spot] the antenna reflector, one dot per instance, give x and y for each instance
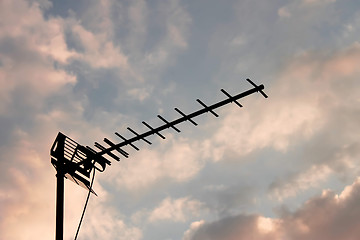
(170, 125)
(207, 108)
(187, 117)
(231, 97)
(75, 161)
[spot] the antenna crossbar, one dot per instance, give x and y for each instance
(152, 131)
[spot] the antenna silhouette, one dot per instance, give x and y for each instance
(75, 162)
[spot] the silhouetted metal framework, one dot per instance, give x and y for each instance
(75, 162)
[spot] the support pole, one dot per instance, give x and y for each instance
(59, 205)
(57, 151)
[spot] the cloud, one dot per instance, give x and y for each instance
(331, 148)
(283, 12)
(104, 221)
(328, 216)
(313, 105)
(99, 50)
(32, 54)
(293, 8)
(27, 190)
(31, 49)
(177, 210)
(40, 35)
(237, 227)
(317, 88)
(177, 162)
(277, 123)
(189, 234)
(291, 186)
(40, 94)
(176, 25)
(318, 1)
(138, 16)
(140, 93)
(23, 202)
(129, 42)
(228, 198)
(55, 73)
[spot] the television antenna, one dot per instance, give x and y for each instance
(75, 162)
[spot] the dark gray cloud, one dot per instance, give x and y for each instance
(329, 216)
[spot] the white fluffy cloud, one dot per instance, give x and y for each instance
(31, 46)
(189, 234)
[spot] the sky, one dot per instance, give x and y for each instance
(281, 168)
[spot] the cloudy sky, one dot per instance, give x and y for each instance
(282, 168)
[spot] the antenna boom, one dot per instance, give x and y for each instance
(183, 119)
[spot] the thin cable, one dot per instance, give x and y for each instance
(87, 200)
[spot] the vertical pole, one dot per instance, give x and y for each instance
(59, 205)
(57, 151)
